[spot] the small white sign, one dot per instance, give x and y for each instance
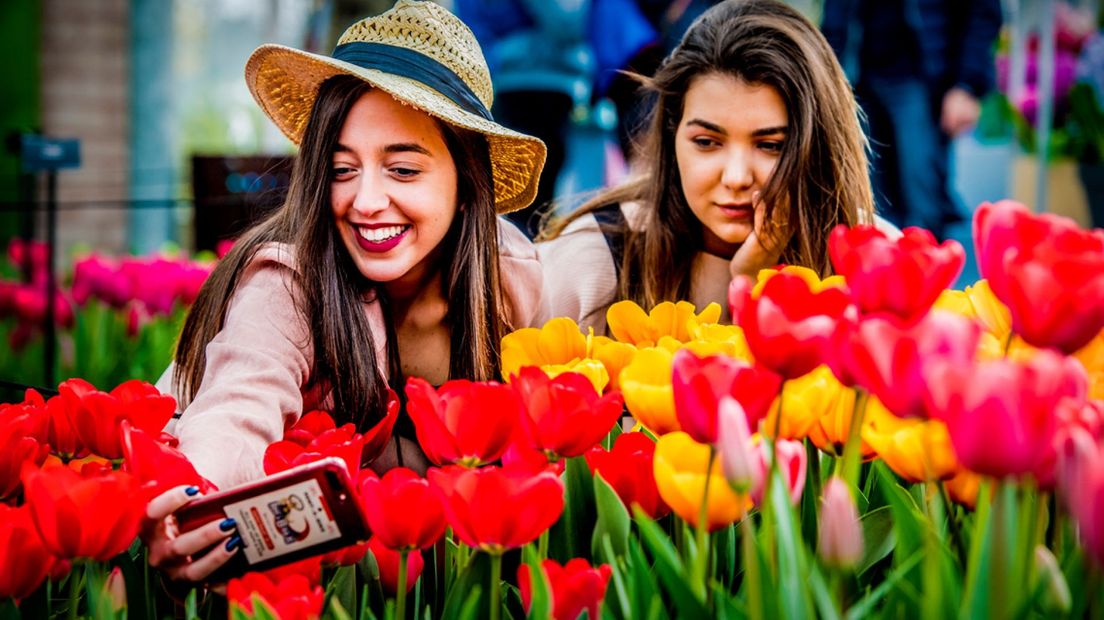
(282, 521)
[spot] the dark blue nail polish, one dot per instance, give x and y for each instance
(191, 491)
(227, 524)
(233, 543)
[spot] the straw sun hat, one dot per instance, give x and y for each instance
(420, 54)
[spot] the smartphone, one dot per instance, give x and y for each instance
(288, 516)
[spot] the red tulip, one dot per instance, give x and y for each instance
(17, 449)
(25, 561)
(291, 598)
(1000, 415)
(892, 361)
(377, 437)
(387, 560)
(628, 469)
(157, 466)
(496, 509)
(61, 410)
(575, 587)
(308, 426)
(465, 422)
(699, 383)
(1071, 416)
(89, 515)
(342, 442)
(787, 325)
(564, 416)
(404, 513)
(521, 457)
(901, 276)
(97, 418)
(1049, 273)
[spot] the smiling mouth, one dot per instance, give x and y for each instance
(381, 235)
(737, 211)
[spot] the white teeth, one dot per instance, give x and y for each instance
(376, 235)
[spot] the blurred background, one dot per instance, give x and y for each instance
(133, 152)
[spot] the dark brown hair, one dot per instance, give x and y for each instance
(342, 342)
(821, 174)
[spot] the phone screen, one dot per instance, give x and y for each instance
(282, 521)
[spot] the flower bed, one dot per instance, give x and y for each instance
(870, 444)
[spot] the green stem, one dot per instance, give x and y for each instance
(542, 545)
(852, 450)
(400, 596)
(496, 583)
(74, 591)
(1008, 342)
(952, 520)
(701, 533)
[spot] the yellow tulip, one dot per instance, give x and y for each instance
(715, 338)
(646, 385)
(963, 488)
(558, 342)
(615, 356)
(994, 315)
(917, 450)
(805, 400)
(957, 302)
(593, 370)
(830, 430)
(680, 467)
(629, 323)
(1091, 355)
(808, 275)
(1096, 385)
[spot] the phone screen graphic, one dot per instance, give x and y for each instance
(283, 521)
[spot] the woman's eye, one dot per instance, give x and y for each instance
(704, 142)
(405, 173)
(772, 146)
(342, 171)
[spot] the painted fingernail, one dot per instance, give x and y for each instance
(227, 524)
(233, 543)
(191, 491)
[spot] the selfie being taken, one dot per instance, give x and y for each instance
(552, 309)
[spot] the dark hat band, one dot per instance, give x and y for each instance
(414, 65)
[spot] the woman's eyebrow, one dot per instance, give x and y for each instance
(708, 126)
(400, 147)
(770, 131)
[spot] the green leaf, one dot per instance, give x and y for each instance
(540, 592)
(472, 608)
(976, 597)
(570, 536)
(879, 538)
(646, 599)
(337, 610)
(469, 583)
(792, 563)
(672, 574)
(864, 606)
(613, 522)
(342, 587)
(826, 607)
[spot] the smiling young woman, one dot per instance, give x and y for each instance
(753, 154)
(387, 260)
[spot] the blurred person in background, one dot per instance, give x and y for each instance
(919, 70)
(753, 154)
(539, 56)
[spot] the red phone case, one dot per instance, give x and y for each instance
(288, 516)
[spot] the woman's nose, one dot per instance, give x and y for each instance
(737, 172)
(371, 195)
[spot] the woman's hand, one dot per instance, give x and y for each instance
(762, 248)
(171, 551)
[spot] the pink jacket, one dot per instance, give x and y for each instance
(258, 367)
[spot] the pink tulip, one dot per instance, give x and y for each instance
(841, 539)
(901, 276)
(699, 383)
(1083, 484)
(791, 464)
(734, 446)
(1000, 415)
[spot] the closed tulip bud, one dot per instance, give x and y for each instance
(734, 446)
(115, 589)
(1056, 592)
(841, 539)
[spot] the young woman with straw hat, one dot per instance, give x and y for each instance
(753, 154)
(386, 260)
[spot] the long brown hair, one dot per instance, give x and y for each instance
(822, 171)
(341, 339)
